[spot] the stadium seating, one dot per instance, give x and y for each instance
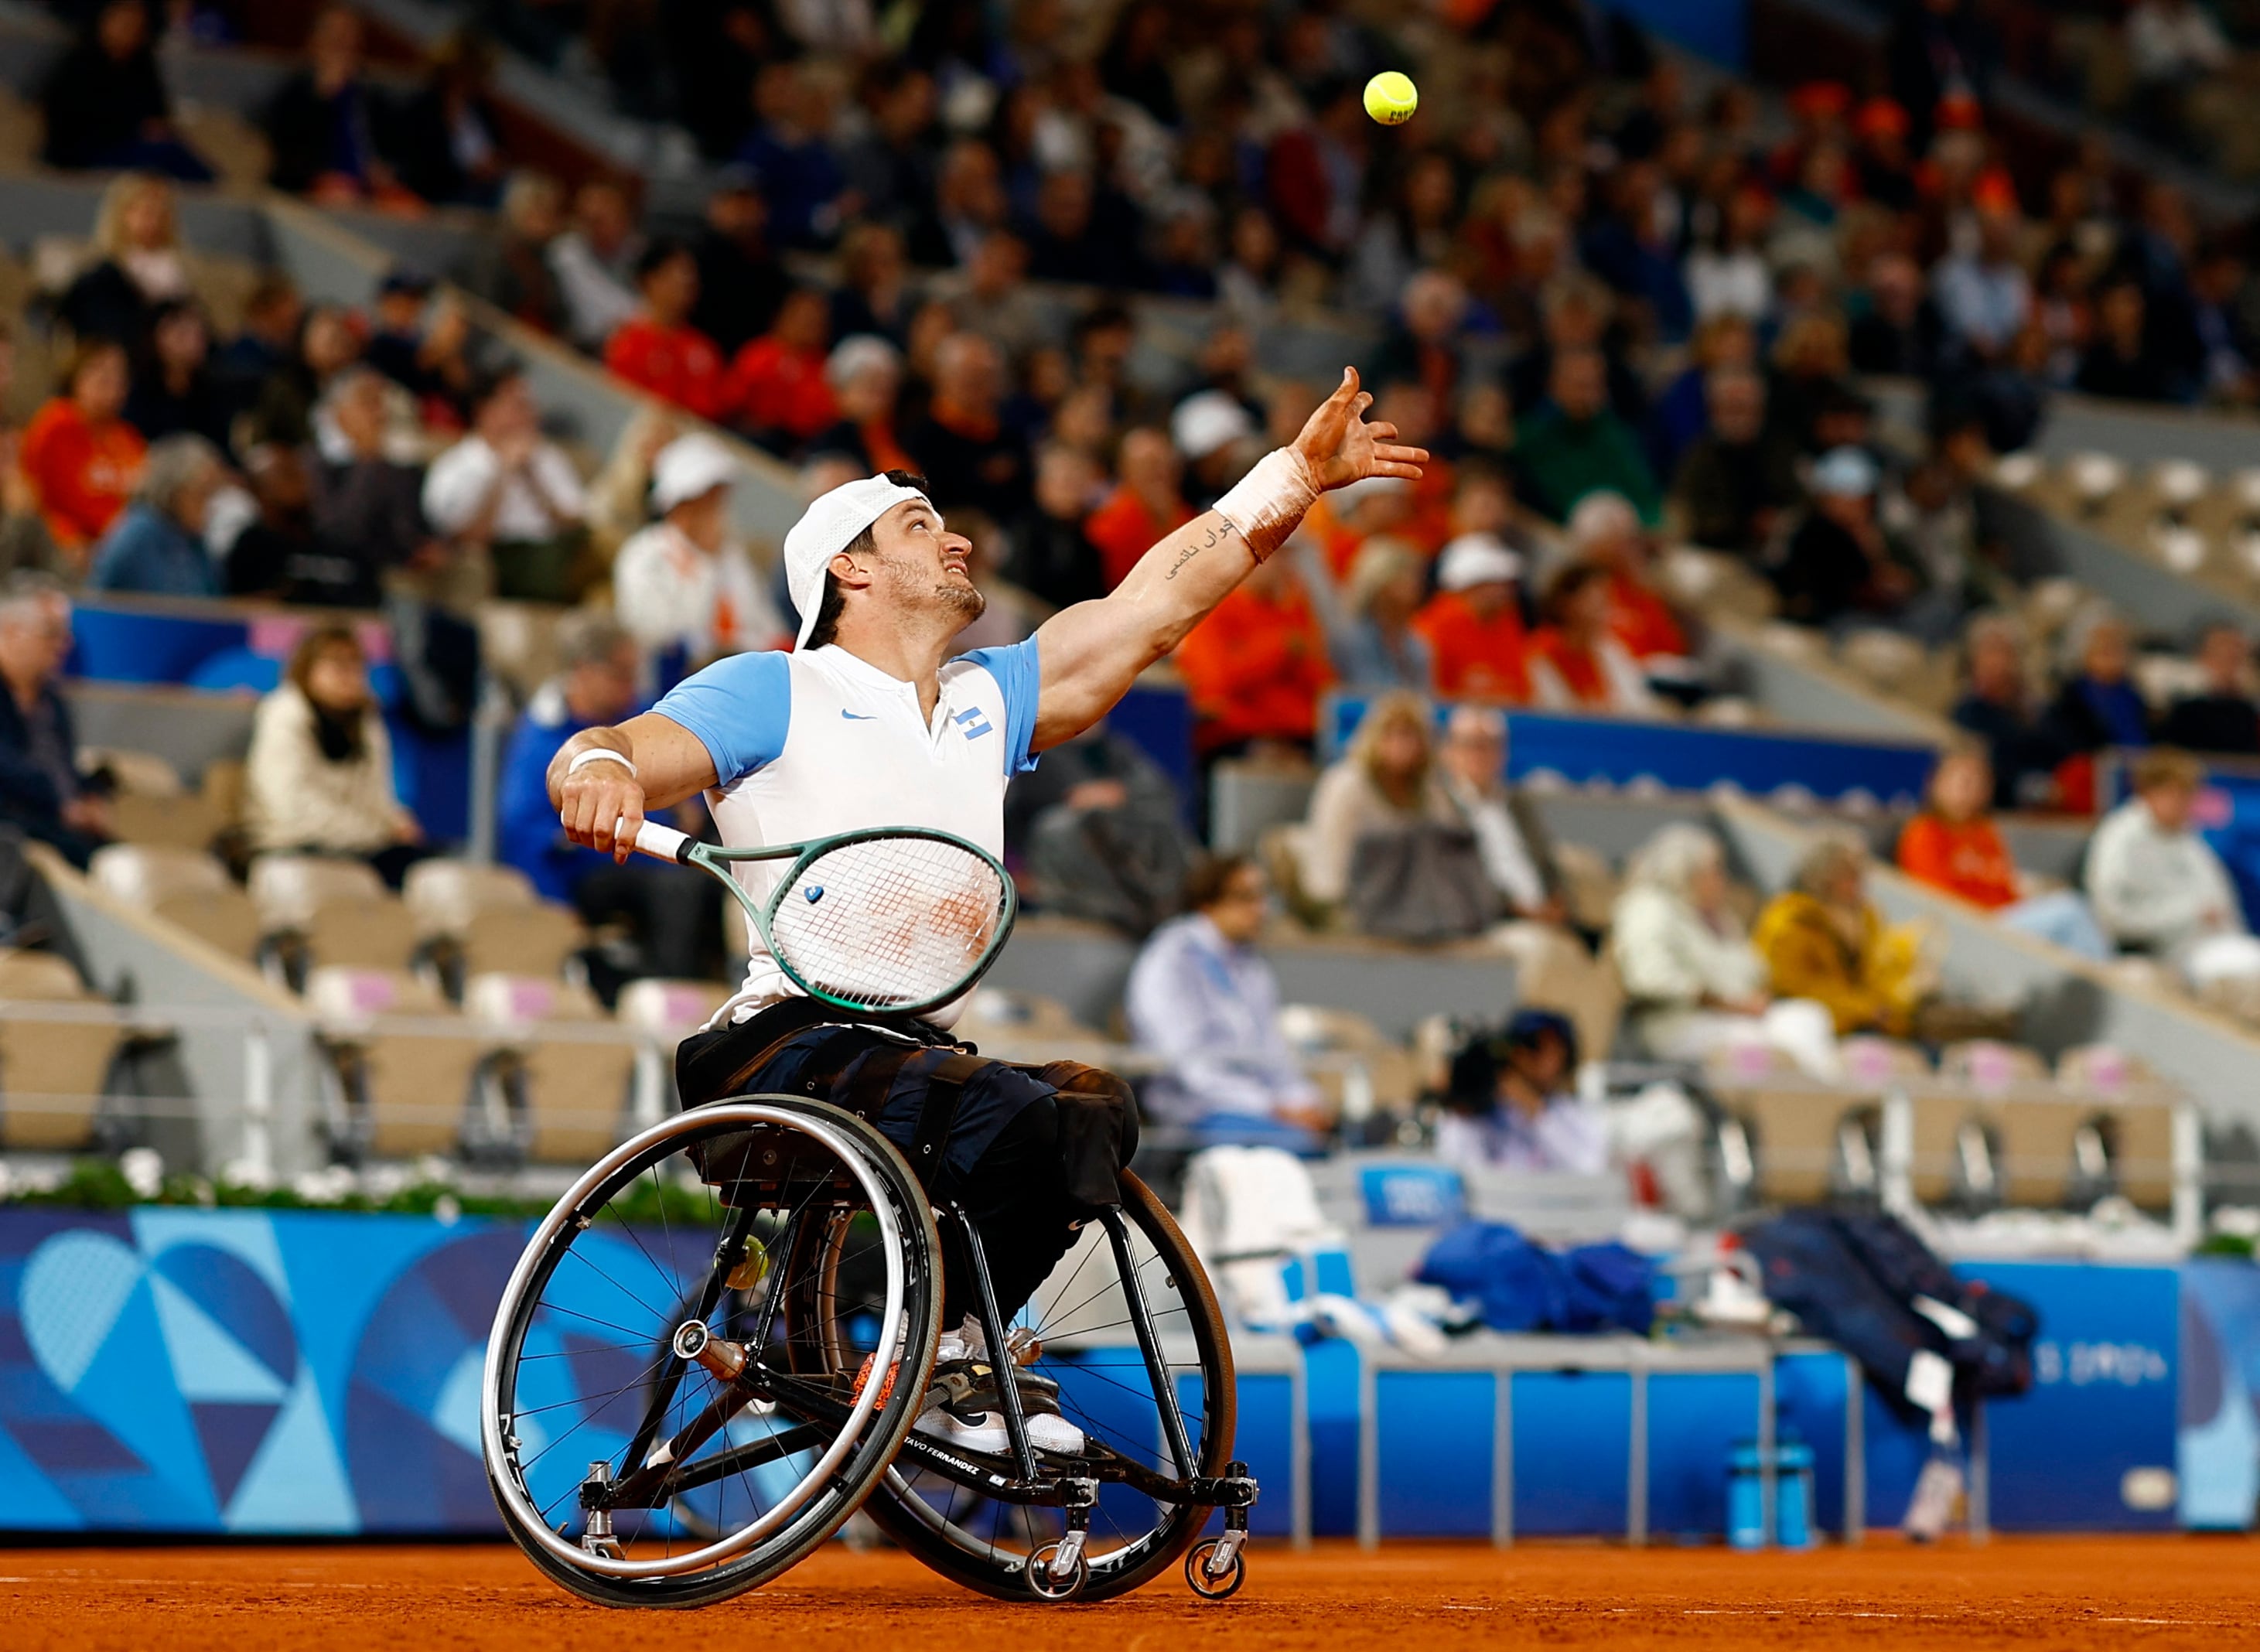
(53, 1064)
(184, 887)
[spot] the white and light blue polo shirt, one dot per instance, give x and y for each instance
(810, 744)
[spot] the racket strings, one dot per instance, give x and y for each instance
(890, 921)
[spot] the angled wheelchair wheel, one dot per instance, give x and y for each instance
(1084, 1320)
(660, 1426)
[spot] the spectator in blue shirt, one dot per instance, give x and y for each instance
(156, 547)
(1203, 1000)
(671, 911)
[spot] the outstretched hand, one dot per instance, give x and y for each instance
(1341, 447)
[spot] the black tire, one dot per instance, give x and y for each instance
(962, 1557)
(821, 1509)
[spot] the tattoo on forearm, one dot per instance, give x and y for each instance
(1192, 551)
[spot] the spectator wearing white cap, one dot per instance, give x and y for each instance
(684, 584)
(1474, 623)
(1839, 564)
(1213, 430)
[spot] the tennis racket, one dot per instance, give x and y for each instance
(899, 919)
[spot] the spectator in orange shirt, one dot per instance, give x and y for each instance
(1255, 667)
(1474, 623)
(80, 456)
(1577, 663)
(1144, 508)
(1954, 847)
(657, 349)
(1605, 531)
(777, 392)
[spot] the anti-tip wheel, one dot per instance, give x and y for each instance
(1044, 1586)
(1196, 1573)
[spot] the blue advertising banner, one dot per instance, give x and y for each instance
(236, 1372)
(1682, 757)
(2092, 1447)
(245, 1371)
(2220, 1394)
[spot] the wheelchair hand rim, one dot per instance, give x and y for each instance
(508, 1481)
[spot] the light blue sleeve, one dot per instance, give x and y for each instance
(1020, 680)
(740, 709)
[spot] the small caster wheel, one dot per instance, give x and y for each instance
(1044, 1586)
(1208, 1588)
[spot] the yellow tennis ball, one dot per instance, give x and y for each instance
(1391, 97)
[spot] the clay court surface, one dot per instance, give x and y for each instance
(2031, 1593)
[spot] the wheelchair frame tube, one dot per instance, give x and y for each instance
(1133, 1294)
(1000, 1354)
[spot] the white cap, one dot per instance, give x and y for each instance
(1844, 472)
(826, 528)
(688, 467)
(1208, 421)
(1476, 559)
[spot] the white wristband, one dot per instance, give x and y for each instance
(1265, 504)
(601, 754)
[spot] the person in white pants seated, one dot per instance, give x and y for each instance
(2157, 887)
(1694, 984)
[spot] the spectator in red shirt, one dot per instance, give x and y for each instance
(1474, 623)
(1255, 667)
(1577, 662)
(80, 456)
(657, 349)
(776, 391)
(1144, 508)
(1606, 529)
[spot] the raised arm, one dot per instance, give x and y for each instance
(671, 764)
(1090, 654)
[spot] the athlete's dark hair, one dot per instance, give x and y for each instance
(829, 607)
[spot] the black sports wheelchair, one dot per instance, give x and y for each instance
(719, 1344)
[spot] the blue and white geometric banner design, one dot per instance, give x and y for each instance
(242, 1371)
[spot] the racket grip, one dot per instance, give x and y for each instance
(663, 842)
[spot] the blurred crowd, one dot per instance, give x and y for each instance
(1623, 313)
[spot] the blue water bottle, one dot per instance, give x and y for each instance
(1746, 1522)
(1792, 1496)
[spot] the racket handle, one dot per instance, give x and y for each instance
(663, 842)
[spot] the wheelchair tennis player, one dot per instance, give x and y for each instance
(872, 722)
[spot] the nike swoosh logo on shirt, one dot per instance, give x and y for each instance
(858, 717)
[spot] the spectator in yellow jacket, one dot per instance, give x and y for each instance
(1821, 940)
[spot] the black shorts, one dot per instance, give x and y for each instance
(887, 1070)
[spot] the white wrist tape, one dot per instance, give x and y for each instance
(1265, 504)
(601, 754)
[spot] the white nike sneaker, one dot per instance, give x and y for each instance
(971, 1419)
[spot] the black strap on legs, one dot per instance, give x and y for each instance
(945, 1089)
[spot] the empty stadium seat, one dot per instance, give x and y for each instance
(1338, 1045)
(491, 918)
(53, 1068)
(1797, 1125)
(402, 1093)
(1553, 971)
(322, 911)
(1589, 884)
(151, 804)
(1988, 1065)
(575, 1091)
(669, 1007)
(181, 886)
